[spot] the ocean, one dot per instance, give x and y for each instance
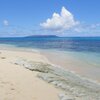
(78, 44)
(81, 54)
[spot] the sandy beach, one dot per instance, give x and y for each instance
(18, 83)
(42, 81)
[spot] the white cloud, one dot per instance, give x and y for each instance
(60, 22)
(5, 22)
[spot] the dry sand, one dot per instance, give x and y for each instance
(18, 83)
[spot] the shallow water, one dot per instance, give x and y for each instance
(86, 64)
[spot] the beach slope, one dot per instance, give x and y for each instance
(19, 83)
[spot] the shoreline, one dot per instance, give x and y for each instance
(51, 58)
(64, 83)
(68, 61)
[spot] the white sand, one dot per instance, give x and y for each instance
(18, 83)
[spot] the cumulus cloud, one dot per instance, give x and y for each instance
(60, 22)
(5, 22)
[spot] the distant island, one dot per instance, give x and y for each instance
(42, 36)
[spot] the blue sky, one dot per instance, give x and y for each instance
(58, 17)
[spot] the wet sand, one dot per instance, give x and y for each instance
(72, 62)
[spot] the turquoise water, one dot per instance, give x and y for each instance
(83, 48)
(84, 63)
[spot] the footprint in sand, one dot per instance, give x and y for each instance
(3, 57)
(7, 89)
(10, 85)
